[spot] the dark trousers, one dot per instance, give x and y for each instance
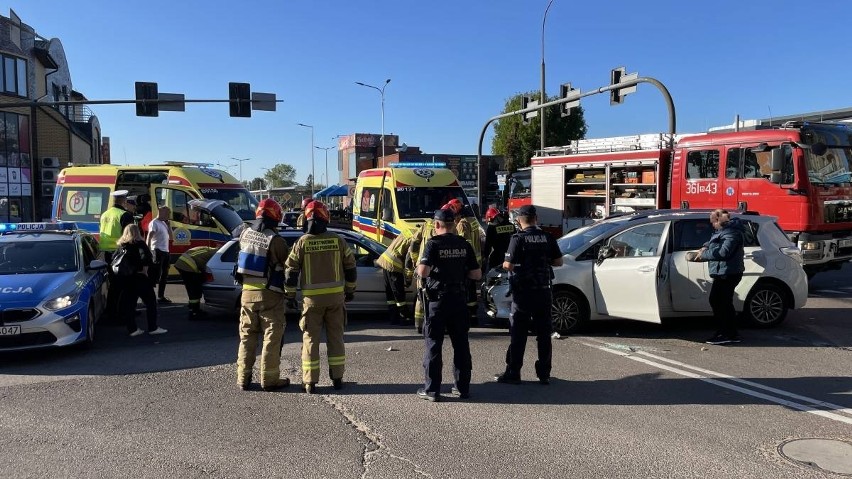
(193, 282)
(159, 273)
(395, 294)
(447, 315)
(530, 307)
(138, 286)
(722, 303)
(114, 290)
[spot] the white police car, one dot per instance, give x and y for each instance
(52, 286)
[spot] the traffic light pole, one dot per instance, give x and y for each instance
(572, 96)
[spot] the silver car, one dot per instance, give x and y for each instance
(220, 290)
(635, 267)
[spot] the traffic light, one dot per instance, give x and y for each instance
(565, 89)
(147, 99)
(615, 96)
(239, 95)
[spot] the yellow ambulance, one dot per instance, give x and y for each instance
(83, 192)
(391, 201)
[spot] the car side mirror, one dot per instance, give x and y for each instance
(97, 264)
(604, 253)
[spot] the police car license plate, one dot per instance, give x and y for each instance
(10, 330)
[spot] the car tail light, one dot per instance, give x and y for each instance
(793, 252)
(208, 276)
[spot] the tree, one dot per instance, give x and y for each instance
(280, 175)
(255, 184)
(517, 142)
(309, 183)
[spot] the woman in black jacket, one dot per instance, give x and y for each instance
(136, 284)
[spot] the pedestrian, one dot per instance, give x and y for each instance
(468, 228)
(498, 233)
(300, 221)
(143, 204)
(725, 257)
(397, 267)
(447, 265)
(136, 284)
(159, 236)
(415, 251)
(112, 224)
(260, 270)
(323, 265)
(191, 267)
(529, 258)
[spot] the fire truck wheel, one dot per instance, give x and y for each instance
(569, 311)
(766, 305)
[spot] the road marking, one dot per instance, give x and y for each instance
(809, 408)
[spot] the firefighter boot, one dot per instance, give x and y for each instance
(243, 378)
(272, 385)
(393, 314)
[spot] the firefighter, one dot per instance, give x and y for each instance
(191, 267)
(530, 257)
(300, 221)
(322, 264)
(447, 266)
(415, 251)
(468, 229)
(398, 268)
(260, 269)
(497, 236)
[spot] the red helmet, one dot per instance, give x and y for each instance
(306, 202)
(317, 211)
(491, 213)
(454, 205)
(269, 208)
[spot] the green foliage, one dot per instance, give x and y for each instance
(518, 142)
(280, 175)
(255, 184)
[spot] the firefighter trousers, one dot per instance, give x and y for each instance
(315, 316)
(261, 312)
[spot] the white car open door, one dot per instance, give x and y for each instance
(628, 282)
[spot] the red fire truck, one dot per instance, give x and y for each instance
(798, 172)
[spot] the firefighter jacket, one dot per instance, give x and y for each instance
(469, 230)
(497, 236)
(418, 241)
(260, 264)
(396, 259)
(300, 221)
(194, 260)
(323, 266)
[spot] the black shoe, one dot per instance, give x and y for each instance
(419, 329)
(455, 391)
(164, 300)
(721, 339)
(544, 381)
(245, 386)
(431, 397)
(280, 383)
(337, 383)
(506, 379)
(310, 388)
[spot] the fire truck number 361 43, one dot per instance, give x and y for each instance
(695, 188)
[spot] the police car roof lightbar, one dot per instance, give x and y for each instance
(26, 227)
(418, 164)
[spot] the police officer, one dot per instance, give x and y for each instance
(397, 267)
(467, 228)
(530, 256)
(112, 224)
(260, 269)
(415, 251)
(319, 257)
(300, 221)
(497, 235)
(447, 264)
(191, 267)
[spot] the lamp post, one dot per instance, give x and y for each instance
(543, 100)
(326, 160)
(240, 160)
(382, 92)
(313, 173)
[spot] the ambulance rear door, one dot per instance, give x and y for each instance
(189, 227)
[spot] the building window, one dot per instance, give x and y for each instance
(16, 184)
(22, 77)
(10, 78)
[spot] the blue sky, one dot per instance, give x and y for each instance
(452, 65)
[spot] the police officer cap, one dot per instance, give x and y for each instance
(526, 210)
(119, 193)
(446, 215)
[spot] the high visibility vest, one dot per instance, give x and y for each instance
(253, 265)
(110, 228)
(321, 260)
(393, 259)
(194, 260)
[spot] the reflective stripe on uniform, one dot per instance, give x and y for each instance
(337, 360)
(318, 291)
(190, 265)
(310, 365)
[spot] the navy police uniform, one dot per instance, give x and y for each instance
(532, 252)
(451, 258)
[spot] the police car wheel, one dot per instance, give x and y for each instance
(90, 328)
(569, 311)
(766, 305)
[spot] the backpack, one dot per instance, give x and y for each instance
(120, 264)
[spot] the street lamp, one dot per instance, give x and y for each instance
(326, 160)
(543, 101)
(226, 167)
(241, 160)
(382, 92)
(313, 173)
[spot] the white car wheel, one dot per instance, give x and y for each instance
(568, 312)
(766, 305)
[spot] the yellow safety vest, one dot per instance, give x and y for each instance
(110, 228)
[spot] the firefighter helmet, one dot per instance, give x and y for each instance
(317, 211)
(491, 213)
(454, 205)
(269, 208)
(306, 202)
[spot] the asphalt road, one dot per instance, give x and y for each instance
(627, 400)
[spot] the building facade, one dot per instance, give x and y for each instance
(38, 139)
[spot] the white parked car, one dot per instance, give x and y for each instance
(649, 278)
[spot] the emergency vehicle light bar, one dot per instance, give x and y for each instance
(21, 227)
(418, 164)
